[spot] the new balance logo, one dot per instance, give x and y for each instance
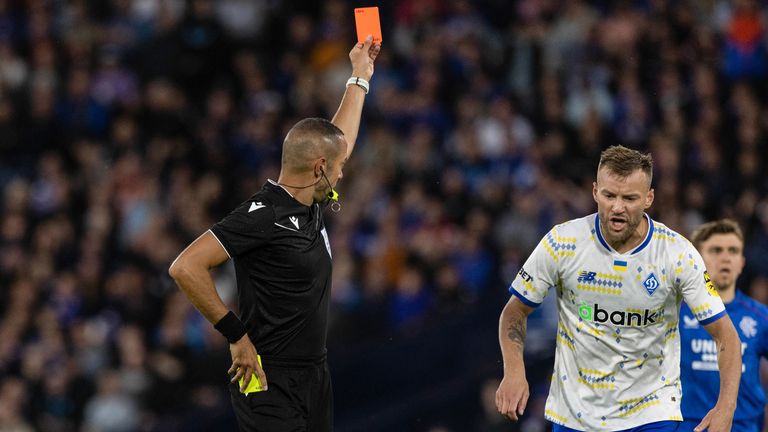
(586, 276)
(256, 206)
(295, 221)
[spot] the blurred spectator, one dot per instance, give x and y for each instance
(744, 52)
(111, 409)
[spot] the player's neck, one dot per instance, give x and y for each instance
(634, 240)
(728, 294)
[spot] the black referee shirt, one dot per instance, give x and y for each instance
(282, 261)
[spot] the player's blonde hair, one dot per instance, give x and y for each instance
(623, 161)
(721, 226)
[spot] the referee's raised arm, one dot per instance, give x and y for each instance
(347, 117)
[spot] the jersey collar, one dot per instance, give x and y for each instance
(285, 197)
(642, 245)
(274, 183)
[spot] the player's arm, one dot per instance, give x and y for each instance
(729, 362)
(512, 395)
(347, 117)
(191, 271)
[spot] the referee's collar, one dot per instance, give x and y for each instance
(285, 197)
(274, 183)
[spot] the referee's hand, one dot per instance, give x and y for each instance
(245, 363)
(362, 56)
(512, 395)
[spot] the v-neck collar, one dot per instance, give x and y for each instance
(637, 249)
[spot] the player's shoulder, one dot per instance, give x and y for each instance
(668, 239)
(664, 234)
(567, 237)
(575, 229)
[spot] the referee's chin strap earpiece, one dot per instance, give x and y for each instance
(333, 196)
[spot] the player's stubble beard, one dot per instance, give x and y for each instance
(722, 282)
(632, 224)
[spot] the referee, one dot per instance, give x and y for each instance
(280, 249)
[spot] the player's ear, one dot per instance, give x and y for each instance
(742, 259)
(649, 198)
(594, 191)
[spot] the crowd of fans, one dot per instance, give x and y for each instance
(128, 127)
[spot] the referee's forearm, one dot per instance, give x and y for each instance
(197, 284)
(347, 117)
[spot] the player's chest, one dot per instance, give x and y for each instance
(621, 284)
(622, 278)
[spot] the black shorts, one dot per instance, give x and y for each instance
(299, 398)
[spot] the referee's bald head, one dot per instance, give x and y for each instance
(308, 140)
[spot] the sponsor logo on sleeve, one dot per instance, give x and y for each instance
(525, 276)
(710, 286)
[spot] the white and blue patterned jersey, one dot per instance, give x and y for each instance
(700, 378)
(617, 362)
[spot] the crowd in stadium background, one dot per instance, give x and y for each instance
(128, 127)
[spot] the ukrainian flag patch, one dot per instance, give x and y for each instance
(620, 265)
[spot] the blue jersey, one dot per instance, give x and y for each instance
(699, 371)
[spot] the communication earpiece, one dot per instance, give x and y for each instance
(332, 194)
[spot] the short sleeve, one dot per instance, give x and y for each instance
(249, 226)
(697, 288)
(539, 273)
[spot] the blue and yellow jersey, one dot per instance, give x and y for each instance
(617, 363)
(700, 378)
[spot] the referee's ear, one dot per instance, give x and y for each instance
(319, 167)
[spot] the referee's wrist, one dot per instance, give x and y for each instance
(360, 82)
(231, 327)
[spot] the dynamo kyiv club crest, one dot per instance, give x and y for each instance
(651, 283)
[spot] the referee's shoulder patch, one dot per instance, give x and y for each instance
(256, 205)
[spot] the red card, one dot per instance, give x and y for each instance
(367, 23)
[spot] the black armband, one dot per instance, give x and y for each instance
(231, 327)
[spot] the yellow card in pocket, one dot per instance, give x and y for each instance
(255, 384)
